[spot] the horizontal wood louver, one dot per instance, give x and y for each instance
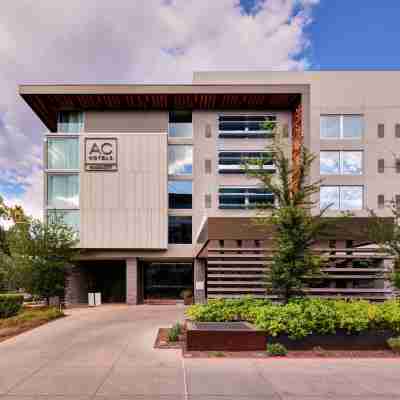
(235, 270)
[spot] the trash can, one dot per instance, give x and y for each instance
(91, 299)
(94, 299)
(97, 299)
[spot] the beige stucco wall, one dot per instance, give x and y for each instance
(126, 121)
(208, 148)
(371, 93)
(126, 209)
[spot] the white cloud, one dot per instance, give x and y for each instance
(54, 41)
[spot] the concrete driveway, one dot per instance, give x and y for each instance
(106, 353)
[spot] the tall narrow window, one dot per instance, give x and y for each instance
(180, 124)
(330, 126)
(180, 194)
(329, 162)
(70, 121)
(180, 159)
(63, 191)
(179, 229)
(351, 162)
(63, 153)
(381, 131)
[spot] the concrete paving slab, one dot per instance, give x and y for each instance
(226, 378)
(107, 353)
(144, 382)
(9, 377)
(63, 382)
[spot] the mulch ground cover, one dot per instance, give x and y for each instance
(7, 332)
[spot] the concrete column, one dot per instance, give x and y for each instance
(76, 285)
(131, 281)
(199, 281)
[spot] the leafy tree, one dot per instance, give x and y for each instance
(41, 251)
(8, 273)
(295, 228)
(387, 235)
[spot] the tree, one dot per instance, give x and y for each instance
(41, 251)
(295, 228)
(9, 277)
(387, 236)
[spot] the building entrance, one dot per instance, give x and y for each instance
(163, 281)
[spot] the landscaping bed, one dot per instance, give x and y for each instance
(27, 319)
(166, 339)
(335, 327)
(228, 336)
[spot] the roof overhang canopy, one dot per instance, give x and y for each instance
(47, 100)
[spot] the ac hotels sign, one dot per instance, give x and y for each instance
(101, 154)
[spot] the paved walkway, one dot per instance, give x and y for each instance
(106, 353)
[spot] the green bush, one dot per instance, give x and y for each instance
(276, 350)
(174, 332)
(394, 344)
(10, 304)
(221, 310)
(302, 317)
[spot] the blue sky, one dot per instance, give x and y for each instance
(126, 41)
(355, 34)
(352, 34)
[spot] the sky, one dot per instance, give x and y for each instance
(137, 41)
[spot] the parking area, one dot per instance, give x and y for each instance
(107, 353)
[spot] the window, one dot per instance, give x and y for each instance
(243, 198)
(180, 194)
(233, 162)
(63, 191)
(341, 126)
(381, 131)
(341, 162)
(68, 217)
(180, 229)
(63, 153)
(180, 159)
(329, 163)
(341, 197)
(241, 126)
(70, 122)
(180, 124)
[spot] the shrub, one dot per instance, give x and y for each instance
(10, 304)
(302, 317)
(276, 350)
(223, 310)
(394, 344)
(174, 332)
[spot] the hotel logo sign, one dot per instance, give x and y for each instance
(101, 154)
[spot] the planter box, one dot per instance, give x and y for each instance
(224, 336)
(367, 340)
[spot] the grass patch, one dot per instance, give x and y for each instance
(29, 317)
